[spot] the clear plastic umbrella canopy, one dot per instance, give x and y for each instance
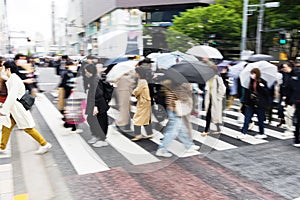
(268, 73)
(166, 60)
(120, 69)
(204, 51)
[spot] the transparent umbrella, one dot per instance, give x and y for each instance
(268, 73)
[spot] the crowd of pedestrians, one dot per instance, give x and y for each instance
(140, 82)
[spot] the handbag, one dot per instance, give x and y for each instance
(182, 108)
(74, 111)
(27, 100)
(159, 112)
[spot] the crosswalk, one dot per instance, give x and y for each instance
(86, 159)
(122, 151)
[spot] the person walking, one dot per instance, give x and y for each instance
(14, 112)
(295, 98)
(176, 126)
(124, 88)
(215, 92)
(255, 100)
(286, 92)
(96, 108)
(142, 116)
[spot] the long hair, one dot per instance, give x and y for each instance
(12, 66)
(257, 72)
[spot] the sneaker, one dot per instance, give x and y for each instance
(251, 125)
(44, 149)
(260, 136)
(137, 138)
(296, 145)
(193, 148)
(149, 136)
(2, 151)
(93, 140)
(163, 153)
(100, 143)
(204, 134)
(77, 131)
(241, 136)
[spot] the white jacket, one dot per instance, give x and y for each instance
(16, 89)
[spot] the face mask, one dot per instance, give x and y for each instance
(22, 62)
(252, 76)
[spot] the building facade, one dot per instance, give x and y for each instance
(115, 27)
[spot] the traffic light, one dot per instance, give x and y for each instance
(282, 38)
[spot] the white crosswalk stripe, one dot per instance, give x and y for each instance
(138, 153)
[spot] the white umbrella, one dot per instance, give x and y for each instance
(112, 45)
(268, 73)
(235, 70)
(120, 69)
(204, 51)
(166, 60)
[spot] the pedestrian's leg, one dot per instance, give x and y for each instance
(36, 135)
(171, 130)
(261, 116)
(137, 133)
(208, 118)
(149, 131)
(248, 116)
(297, 115)
(183, 135)
(6, 133)
(103, 121)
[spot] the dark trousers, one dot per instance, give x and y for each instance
(208, 118)
(98, 125)
(249, 111)
(138, 131)
(297, 115)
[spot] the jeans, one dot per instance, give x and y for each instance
(249, 111)
(176, 128)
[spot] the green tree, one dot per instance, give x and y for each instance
(204, 24)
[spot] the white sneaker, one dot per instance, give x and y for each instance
(77, 131)
(296, 145)
(44, 149)
(2, 151)
(251, 125)
(93, 140)
(193, 148)
(260, 136)
(241, 136)
(100, 143)
(163, 153)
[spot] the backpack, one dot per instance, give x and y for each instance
(107, 90)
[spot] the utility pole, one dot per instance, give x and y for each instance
(53, 23)
(260, 26)
(244, 27)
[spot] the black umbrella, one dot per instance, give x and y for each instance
(192, 72)
(260, 57)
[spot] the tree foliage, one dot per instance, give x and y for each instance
(206, 23)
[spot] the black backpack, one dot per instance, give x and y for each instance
(107, 90)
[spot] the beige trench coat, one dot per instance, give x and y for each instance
(217, 92)
(23, 118)
(143, 113)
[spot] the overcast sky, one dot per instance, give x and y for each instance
(33, 16)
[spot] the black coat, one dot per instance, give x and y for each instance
(294, 86)
(262, 93)
(95, 97)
